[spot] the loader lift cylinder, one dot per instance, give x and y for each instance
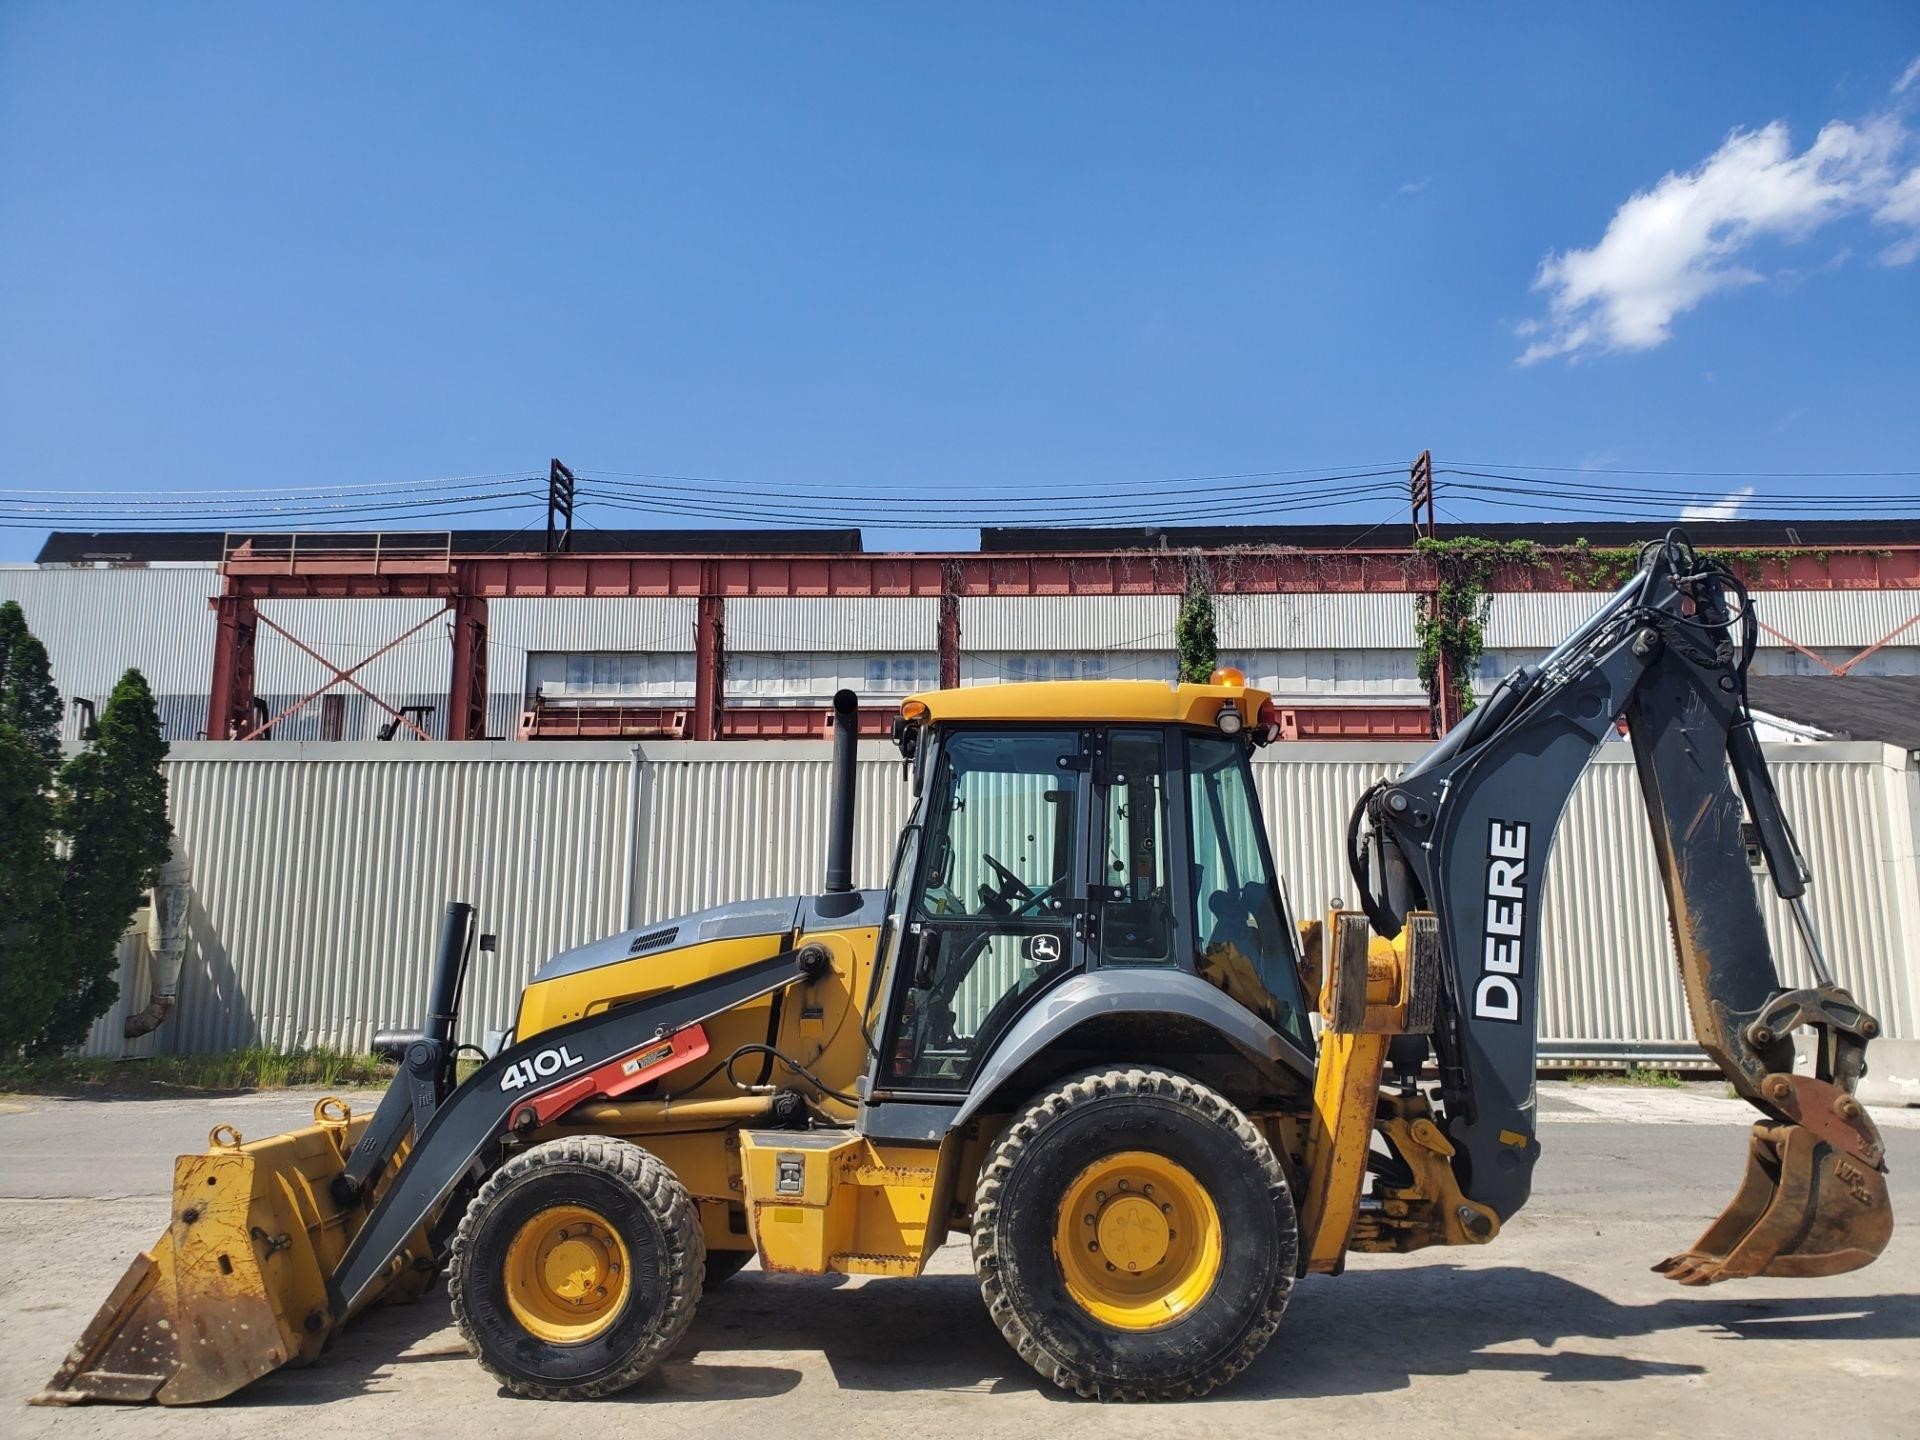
(846, 736)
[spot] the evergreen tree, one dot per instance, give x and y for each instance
(78, 845)
(32, 947)
(112, 813)
(1194, 633)
(29, 700)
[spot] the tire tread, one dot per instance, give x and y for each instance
(683, 1254)
(1018, 1140)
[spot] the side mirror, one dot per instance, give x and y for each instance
(924, 950)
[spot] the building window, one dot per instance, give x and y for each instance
(610, 675)
(811, 677)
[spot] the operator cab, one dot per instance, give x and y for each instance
(1074, 827)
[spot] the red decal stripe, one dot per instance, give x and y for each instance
(637, 1067)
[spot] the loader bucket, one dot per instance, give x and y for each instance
(238, 1284)
(1806, 1207)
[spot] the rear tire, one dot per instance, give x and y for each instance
(1167, 1178)
(576, 1269)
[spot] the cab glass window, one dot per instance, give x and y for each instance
(1135, 923)
(990, 916)
(1242, 944)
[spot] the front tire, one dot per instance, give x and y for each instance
(1134, 1236)
(577, 1268)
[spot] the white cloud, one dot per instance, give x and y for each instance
(1902, 207)
(1907, 76)
(1727, 507)
(1414, 187)
(1670, 247)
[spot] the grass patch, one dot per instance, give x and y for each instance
(1647, 1076)
(252, 1069)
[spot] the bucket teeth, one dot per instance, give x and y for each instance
(1806, 1207)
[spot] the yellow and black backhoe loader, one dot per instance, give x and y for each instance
(1075, 1026)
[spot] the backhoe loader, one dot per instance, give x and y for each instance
(1078, 1026)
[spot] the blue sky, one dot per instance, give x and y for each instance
(945, 252)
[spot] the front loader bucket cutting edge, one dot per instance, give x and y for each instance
(238, 1285)
(1806, 1207)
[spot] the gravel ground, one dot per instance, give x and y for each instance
(1555, 1329)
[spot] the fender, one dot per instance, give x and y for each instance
(1097, 993)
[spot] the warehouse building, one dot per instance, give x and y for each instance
(315, 871)
(1342, 661)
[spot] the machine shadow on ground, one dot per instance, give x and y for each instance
(932, 1334)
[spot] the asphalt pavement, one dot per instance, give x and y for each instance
(1557, 1328)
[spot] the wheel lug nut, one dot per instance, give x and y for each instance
(1123, 1184)
(1146, 1189)
(1111, 1265)
(1093, 1245)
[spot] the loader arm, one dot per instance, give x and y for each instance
(1466, 834)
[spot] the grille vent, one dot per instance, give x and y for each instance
(653, 940)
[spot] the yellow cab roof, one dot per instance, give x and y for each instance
(1093, 701)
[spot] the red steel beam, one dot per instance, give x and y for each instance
(1147, 572)
(230, 692)
(337, 676)
(709, 659)
(467, 686)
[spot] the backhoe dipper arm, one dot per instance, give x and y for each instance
(1467, 831)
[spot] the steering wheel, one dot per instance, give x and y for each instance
(1011, 885)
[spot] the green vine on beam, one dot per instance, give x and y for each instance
(1452, 623)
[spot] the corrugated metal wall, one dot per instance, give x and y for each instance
(319, 872)
(1068, 622)
(1315, 622)
(851, 623)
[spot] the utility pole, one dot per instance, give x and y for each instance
(1419, 489)
(559, 504)
(1444, 699)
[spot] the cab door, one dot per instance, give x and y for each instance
(996, 910)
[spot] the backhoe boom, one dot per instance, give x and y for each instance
(1466, 834)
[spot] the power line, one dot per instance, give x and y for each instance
(1533, 483)
(1079, 516)
(1706, 474)
(1095, 482)
(323, 488)
(1028, 496)
(120, 526)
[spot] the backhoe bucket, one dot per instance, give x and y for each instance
(238, 1284)
(1807, 1207)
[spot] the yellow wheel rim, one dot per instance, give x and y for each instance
(567, 1275)
(1138, 1240)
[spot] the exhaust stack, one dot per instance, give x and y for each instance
(846, 734)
